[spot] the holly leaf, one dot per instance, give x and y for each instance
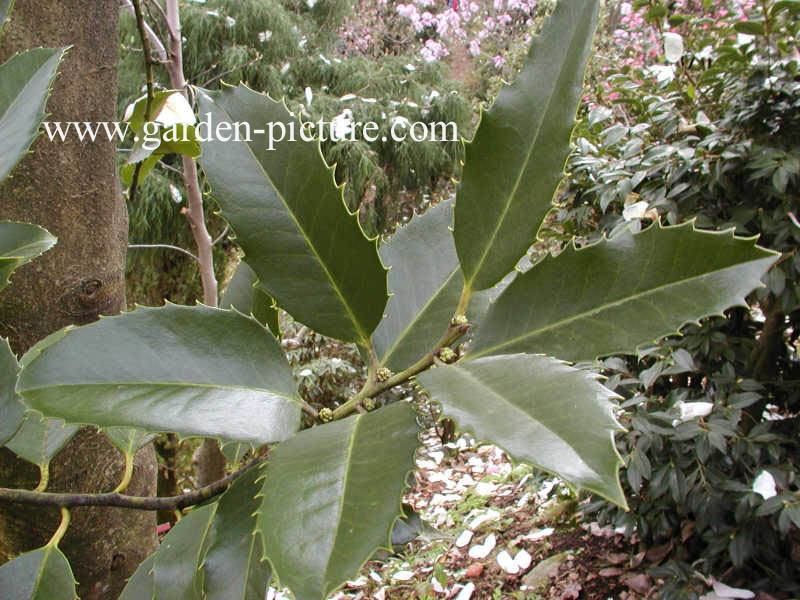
(540, 410)
(26, 78)
(616, 294)
(516, 159)
(330, 496)
(174, 368)
(12, 413)
(425, 285)
(19, 244)
(315, 262)
(42, 574)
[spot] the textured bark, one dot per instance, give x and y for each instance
(71, 189)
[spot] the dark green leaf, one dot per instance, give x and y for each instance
(39, 439)
(330, 497)
(26, 81)
(517, 157)
(289, 217)
(242, 294)
(540, 410)
(20, 243)
(234, 568)
(617, 294)
(12, 413)
(128, 440)
(177, 561)
(749, 27)
(197, 371)
(141, 586)
(425, 284)
(42, 574)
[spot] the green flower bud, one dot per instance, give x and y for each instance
(369, 403)
(459, 320)
(447, 354)
(326, 415)
(384, 374)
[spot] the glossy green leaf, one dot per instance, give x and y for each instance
(40, 439)
(234, 452)
(128, 440)
(540, 410)
(176, 574)
(20, 243)
(175, 368)
(234, 568)
(42, 574)
(140, 585)
(12, 413)
(26, 78)
(331, 494)
(425, 285)
(289, 217)
(242, 294)
(514, 163)
(614, 295)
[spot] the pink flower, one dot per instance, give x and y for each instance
(474, 47)
(499, 61)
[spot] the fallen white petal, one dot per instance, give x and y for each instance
(507, 563)
(523, 559)
(538, 534)
(764, 484)
(485, 489)
(464, 539)
(466, 592)
(375, 577)
(403, 575)
(483, 550)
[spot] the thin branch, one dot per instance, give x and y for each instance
(154, 40)
(373, 388)
(148, 68)
(168, 246)
(194, 209)
(122, 501)
(233, 70)
(221, 235)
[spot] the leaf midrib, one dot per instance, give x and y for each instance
(478, 382)
(518, 179)
(166, 384)
(337, 528)
(363, 337)
(603, 307)
(404, 333)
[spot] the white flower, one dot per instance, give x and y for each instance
(673, 47)
(634, 211)
(263, 36)
(176, 110)
(764, 484)
(693, 410)
(309, 95)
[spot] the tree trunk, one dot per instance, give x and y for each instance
(72, 190)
